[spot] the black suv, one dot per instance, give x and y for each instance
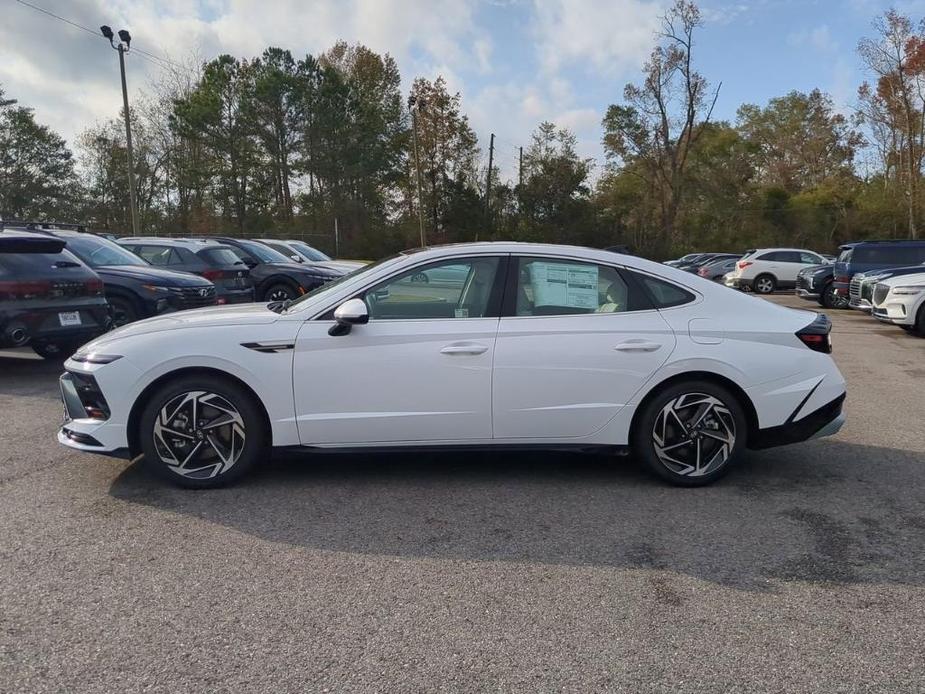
(276, 277)
(214, 261)
(48, 298)
(135, 288)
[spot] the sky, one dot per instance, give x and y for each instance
(515, 62)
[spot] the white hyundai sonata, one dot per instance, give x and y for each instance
(505, 345)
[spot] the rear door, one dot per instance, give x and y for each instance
(576, 341)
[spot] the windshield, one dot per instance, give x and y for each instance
(844, 256)
(99, 252)
(318, 291)
(263, 253)
(312, 254)
(222, 255)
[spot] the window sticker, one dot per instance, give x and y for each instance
(564, 284)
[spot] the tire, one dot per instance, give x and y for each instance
(920, 321)
(420, 277)
(280, 291)
(831, 300)
(221, 453)
(670, 452)
(908, 328)
(55, 351)
(124, 310)
(764, 284)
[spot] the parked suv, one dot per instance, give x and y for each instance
(901, 301)
(874, 255)
(48, 298)
(814, 283)
(275, 277)
(301, 252)
(216, 262)
(767, 269)
(862, 285)
(136, 289)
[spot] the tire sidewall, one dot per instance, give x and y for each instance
(130, 308)
(291, 291)
(761, 277)
(254, 427)
(641, 437)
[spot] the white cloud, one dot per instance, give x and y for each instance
(611, 37)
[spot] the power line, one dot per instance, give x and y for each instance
(151, 57)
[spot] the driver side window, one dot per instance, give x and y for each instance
(457, 288)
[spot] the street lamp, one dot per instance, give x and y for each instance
(125, 40)
(413, 105)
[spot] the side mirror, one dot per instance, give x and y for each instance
(351, 312)
(297, 258)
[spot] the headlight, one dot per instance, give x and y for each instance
(156, 288)
(908, 290)
(94, 358)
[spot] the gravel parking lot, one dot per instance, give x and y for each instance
(803, 570)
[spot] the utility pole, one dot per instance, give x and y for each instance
(520, 168)
(413, 106)
(491, 159)
(125, 40)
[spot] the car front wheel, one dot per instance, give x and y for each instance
(280, 292)
(202, 431)
(690, 433)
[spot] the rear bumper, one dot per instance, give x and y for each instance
(739, 283)
(44, 325)
(824, 421)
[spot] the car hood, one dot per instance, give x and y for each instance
(898, 280)
(313, 269)
(147, 273)
(235, 314)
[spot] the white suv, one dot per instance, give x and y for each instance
(766, 269)
(901, 300)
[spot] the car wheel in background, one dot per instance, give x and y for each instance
(690, 432)
(764, 284)
(831, 299)
(202, 431)
(920, 321)
(420, 277)
(55, 351)
(281, 291)
(124, 310)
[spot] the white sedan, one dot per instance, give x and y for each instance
(540, 346)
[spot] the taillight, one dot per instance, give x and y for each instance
(13, 290)
(94, 286)
(742, 264)
(703, 272)
(212, 274)
(817, 335)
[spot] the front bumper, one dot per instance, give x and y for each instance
(807, 294)
(860, 304)
(824, 421)
(897, 311)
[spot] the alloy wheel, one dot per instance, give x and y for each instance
(280, 293)
(199, 434)
(694, 434)
(764, 285)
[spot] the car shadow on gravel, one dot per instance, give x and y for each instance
(824, 512)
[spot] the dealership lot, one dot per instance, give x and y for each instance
(801, 571)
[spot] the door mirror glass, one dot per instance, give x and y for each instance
(297, 258)
(351, 312)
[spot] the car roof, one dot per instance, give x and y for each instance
(192, 244)
(785, 248)
(890, 242)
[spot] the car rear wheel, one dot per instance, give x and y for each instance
(56, 351)
(764, 284)
(690, 433)
(280, 292)
(201, 432)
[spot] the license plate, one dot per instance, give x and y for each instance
(69, 318)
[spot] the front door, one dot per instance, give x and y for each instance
(420, 370)
(578, 344)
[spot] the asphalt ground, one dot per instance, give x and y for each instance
(802, 570)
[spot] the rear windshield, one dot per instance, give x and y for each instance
(33, 265)
(220, 256)
(99, 252)
(888, 255)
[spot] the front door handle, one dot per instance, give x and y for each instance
(637, 346)
(465, 348)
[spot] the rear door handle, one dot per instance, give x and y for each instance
(637, 346)
(465, 348)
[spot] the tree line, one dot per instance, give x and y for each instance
(278, 145)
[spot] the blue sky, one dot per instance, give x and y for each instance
(515, 62)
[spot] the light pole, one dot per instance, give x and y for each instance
(125, 39)
(413, 106)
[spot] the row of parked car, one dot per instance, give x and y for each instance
(61, 286)
(885, 278)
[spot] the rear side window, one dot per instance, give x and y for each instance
(664, 294)
(220, 256)
(773, 257)
(156, 255)
(889, 255)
